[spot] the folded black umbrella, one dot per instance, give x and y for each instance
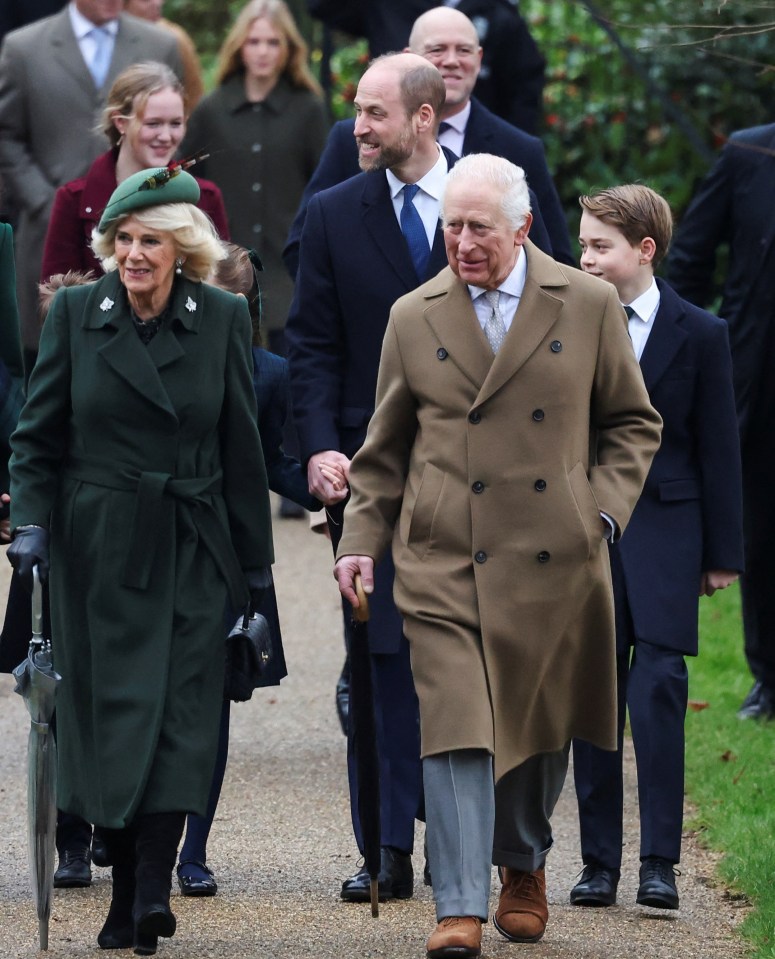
(36, 682)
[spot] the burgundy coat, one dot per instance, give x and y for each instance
(77, 209)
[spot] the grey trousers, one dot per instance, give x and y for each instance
(472, 824)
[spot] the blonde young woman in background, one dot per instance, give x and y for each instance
(264, 127)
(144, 121)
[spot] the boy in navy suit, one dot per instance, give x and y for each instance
(684, 540)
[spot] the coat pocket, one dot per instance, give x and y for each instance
(586, 504)
(678, 489)
(420, 536)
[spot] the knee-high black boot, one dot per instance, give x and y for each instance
(118, 931)
(156, 847)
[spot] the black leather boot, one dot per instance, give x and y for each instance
(158, 836)
(118, 931)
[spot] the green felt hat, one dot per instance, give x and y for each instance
(149, 188)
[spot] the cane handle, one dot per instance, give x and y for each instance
(361, 614)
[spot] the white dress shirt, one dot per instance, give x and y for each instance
(82, 29)
(427, 201)
(453, 137)
(641, 323)
(510, 293)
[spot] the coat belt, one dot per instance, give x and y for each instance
(154, 491)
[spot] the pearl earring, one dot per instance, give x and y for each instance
(178, 265)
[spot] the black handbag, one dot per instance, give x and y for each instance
(248, 653)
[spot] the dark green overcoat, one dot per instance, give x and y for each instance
(145, 462)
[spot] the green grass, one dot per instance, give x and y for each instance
(730, 769)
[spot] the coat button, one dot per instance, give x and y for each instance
(543, 556)
(474, 417)
(441, 353)
(478, 487)
(538, 415)
(256, 187)
(540, 485)
(256, 148)
(555, 346)
(481, 556)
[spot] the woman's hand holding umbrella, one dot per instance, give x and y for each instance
(28, 549)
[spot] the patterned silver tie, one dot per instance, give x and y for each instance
(494, 328)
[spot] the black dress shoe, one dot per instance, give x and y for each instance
(396, 878)
(204, 885)
(99, 851)
(657, 884)
(343, 701)
(74, 871)
(597, 886)
(758, 704)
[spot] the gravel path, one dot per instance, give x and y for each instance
(282, 842)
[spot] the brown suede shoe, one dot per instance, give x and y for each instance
(522, 912)
(456, 937)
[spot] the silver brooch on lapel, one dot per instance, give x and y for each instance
(107, 304)
(190, 305)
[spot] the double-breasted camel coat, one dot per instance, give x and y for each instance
(145, 463)
(489, 476)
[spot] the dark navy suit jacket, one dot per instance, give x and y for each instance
(689, 516)
(271, 382)
(485, 133)
(354, 265)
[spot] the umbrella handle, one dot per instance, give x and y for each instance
(37, 605)
(361, 614)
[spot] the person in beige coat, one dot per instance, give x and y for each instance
(498, 481)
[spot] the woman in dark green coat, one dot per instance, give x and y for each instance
(137, 462)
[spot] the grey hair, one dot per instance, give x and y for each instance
(507, 178)
(195, 237)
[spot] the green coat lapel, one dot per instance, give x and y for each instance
(138, 365)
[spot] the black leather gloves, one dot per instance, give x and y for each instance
(29, 546)
(259, 583)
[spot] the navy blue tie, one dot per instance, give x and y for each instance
(414, 231)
